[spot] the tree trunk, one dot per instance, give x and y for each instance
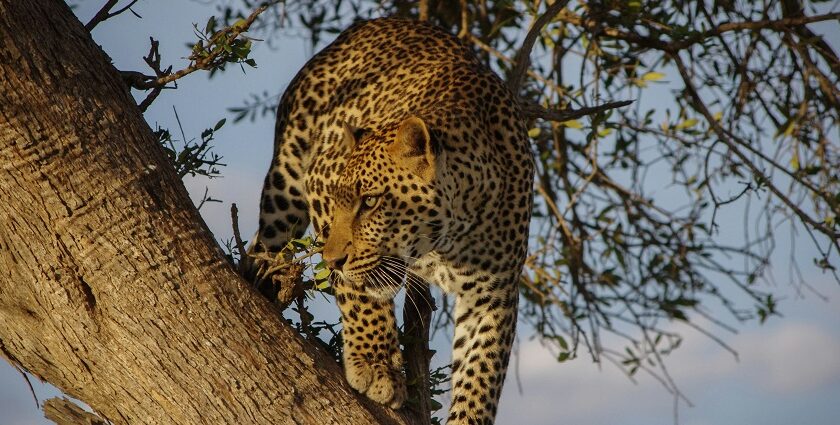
(111, 286)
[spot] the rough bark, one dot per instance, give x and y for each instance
(111, 286)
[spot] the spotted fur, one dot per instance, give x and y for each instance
(411, 158)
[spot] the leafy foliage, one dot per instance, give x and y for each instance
(218, 47)
(191, 157)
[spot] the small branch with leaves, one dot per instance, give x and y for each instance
(214, 49)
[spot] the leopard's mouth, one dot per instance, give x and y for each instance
(386, 277)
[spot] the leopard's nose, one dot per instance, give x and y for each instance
(337, 263)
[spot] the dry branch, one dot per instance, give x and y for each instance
(533, 111)
(64, 412)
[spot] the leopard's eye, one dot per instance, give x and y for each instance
(369, 202)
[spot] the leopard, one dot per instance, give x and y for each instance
(410, 159)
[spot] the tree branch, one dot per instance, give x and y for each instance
(523, 56)
(594, 26)
(64, 412)
(104, 13)
(533, 110)
(698, 104)
(202, 63)
(245, 261)
(417, 318)
(501, 56)
(777, 24)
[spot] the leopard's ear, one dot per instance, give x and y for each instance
(414, 149)
(352, 135)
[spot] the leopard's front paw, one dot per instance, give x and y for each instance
(377, 381)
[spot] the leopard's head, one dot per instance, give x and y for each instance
(387, 205)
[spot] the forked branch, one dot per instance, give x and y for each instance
(105, 13)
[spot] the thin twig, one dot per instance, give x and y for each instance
(153, 60)
(29, 383)
(244, 259)
(777, 24)
(501, 56)
(464, 31)
(5, 354)
(732, 143)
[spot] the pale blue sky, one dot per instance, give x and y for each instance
(789, 368)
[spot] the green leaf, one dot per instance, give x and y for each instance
(211, 25)
(323, 274)
(239, 24)
(572, 124)
(653, 76)
(691, 122)
(219, 124)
